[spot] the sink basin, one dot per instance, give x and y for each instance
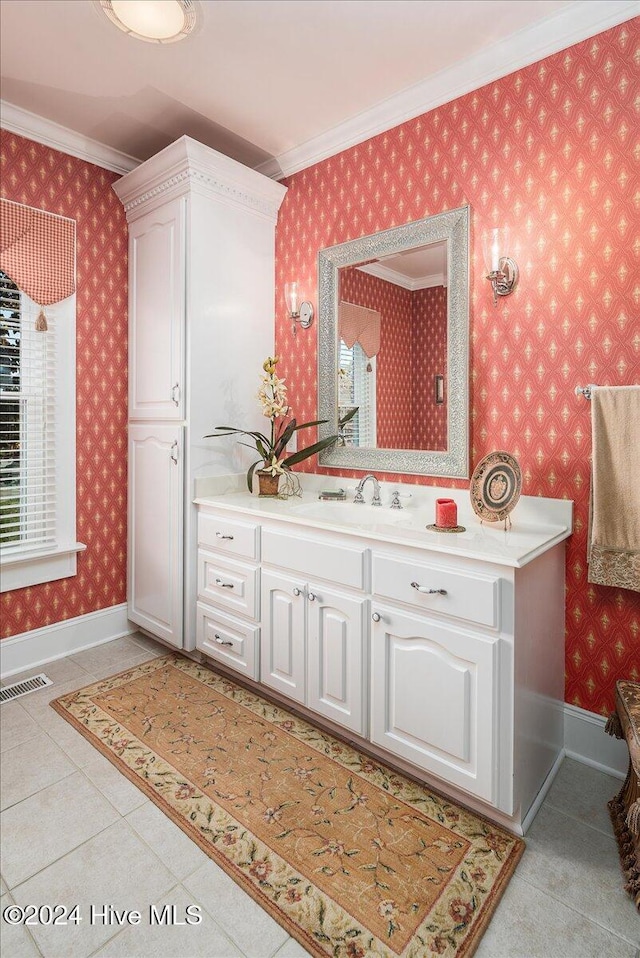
(350, 514)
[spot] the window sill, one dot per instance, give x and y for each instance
(20, 571)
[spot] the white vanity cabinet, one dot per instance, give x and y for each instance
(201, 288)
(314, 626)
(434, 677)
(434, 698)
(450, 666)
(228, 588)
(283, 653)
(313, 646)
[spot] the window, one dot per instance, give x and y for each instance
(37, 439)
(357, 387)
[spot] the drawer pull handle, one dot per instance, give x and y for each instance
(376, 616)
(297, 591)
(220, 535)
(174, 452)
(224, 585)
(311, 597)
(221, 641)
(175, 394)
(425, 591)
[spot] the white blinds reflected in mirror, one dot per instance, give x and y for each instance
(357, 389)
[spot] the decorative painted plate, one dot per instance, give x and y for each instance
(495, 486)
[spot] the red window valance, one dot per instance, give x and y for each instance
(357, 324)
(37, 250)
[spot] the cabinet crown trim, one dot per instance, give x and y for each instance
(187, 164)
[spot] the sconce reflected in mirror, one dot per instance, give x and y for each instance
(299, 309)
(502, 270)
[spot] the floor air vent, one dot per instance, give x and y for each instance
(10, 692)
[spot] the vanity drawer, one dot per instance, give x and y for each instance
(469, 595)
(316, 558)
(230, 641)
(231, 536)
(232, 585)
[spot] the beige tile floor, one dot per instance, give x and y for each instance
(74, 831)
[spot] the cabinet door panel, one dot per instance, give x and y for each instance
(434, 698)
(282, 649)
(157, 313)
(155, 573)
(336, 657)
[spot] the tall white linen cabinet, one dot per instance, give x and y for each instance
(201, 322)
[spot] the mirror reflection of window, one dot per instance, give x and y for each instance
(411, 283)
(357, 387)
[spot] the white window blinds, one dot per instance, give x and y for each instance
(357, 387)
(27, 423)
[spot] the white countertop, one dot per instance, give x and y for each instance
(537, 523)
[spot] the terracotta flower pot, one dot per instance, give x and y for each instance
(267, 484)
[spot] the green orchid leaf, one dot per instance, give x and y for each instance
(250, 473)
(303, 454)
(347, 416)
(316, 422)
(284, 438)
(230, 431)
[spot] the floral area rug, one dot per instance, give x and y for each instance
(352, 858)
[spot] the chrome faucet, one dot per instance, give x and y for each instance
(375, 501)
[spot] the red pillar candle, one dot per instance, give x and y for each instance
(446, 513)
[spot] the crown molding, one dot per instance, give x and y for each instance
(399, 279)
(16, 120)
(572, 24)
(187, 165)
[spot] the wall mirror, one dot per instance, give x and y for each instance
(393, 348)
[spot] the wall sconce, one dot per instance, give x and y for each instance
(502, 270)
(300, 312)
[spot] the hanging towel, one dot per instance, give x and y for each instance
(614, 534)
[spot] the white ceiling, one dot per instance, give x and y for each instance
(275, 84)
(419, 268)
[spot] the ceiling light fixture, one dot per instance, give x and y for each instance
(155, 21)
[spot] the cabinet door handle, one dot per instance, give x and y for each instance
(175, 394)
(423, 589)
(297, 591)
(376, 616)
(224, 585)
(220, 535)
(311, 596)
(174, 452)
(221, 641)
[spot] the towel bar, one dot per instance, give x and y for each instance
(583, 391)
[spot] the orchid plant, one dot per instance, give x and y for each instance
(272, 397)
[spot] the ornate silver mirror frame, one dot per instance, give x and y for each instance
(452, 226)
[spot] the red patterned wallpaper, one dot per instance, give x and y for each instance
(38, 176)
(429, 322)
(549, 152)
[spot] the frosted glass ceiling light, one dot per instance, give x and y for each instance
(156, 21)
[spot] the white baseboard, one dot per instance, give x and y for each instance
(542, 794)
(30, 649)
(586, 740)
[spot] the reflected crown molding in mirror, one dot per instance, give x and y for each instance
(453, 461)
